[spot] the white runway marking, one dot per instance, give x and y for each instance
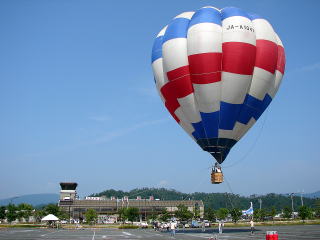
(50, 233)
(128, 234)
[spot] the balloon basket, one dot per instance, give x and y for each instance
(216, 177)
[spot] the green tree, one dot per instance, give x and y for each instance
(222, 213)
(235, 214)
(317, 208)
(2, 212)
(287, 212)
(196, 213)
(164, 216)
(91, 216)
(273, 212)
(39, 214)
(63, 215)
(12, 213)
(52, 209)
(260, 214)
(304, 212)
(183, 213)
(132, 213)
(24, 211)
(210, 214)
(121, 213)
(152, 217)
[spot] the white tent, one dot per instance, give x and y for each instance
(50, 217)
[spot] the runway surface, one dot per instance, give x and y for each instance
(285, 233)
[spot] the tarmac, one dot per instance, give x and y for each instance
(285, 233)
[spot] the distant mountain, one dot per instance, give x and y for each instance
(312, 195)
(33, 199)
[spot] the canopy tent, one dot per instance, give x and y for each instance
(50, 217)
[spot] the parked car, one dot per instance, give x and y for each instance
(206, 223)
(195, 224)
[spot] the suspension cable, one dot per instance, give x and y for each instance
(252, 146)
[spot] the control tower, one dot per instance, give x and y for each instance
(68, 191)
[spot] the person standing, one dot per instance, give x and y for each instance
(252, 226)
(203, 226)
(173, 229)
(220, 227)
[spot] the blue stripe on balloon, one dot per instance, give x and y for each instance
(206, 15)
(233, 11)
(199, 130)
(157, 49)
(253, 108)
(226, 118)
(228, 115)
(177, 29)
(210, 122)
(254, 16)
(246, 114)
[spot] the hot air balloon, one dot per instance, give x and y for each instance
(217, 70)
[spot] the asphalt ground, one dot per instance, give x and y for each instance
(285, 233)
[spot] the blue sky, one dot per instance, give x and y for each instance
(78, 102)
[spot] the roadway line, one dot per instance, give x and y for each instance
(50, 233)
(194, 235)
(126, 233)
(94, 234)
(221, 236)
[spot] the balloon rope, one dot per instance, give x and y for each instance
(228, 184)
(252, 146)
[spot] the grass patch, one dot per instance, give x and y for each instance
(21, 225)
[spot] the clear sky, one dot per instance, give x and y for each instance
(78, 102)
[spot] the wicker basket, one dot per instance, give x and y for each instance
(216, 177)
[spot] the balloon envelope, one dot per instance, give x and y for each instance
(216, 72)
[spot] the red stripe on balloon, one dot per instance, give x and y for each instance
(266, 55)
(177, 73)
(173, 90)
(172, 107)
(206, 78)
(238, 57)
(281, 59)
(205, 67)
(178, 88)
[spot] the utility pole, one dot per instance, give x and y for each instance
(302, 198)
(292, 204)
(260, 201)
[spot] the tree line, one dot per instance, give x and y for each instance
(24, 211)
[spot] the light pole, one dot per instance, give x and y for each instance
(302, 198)
(260, 201)
(292, 204)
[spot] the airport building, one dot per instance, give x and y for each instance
(107, 206)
